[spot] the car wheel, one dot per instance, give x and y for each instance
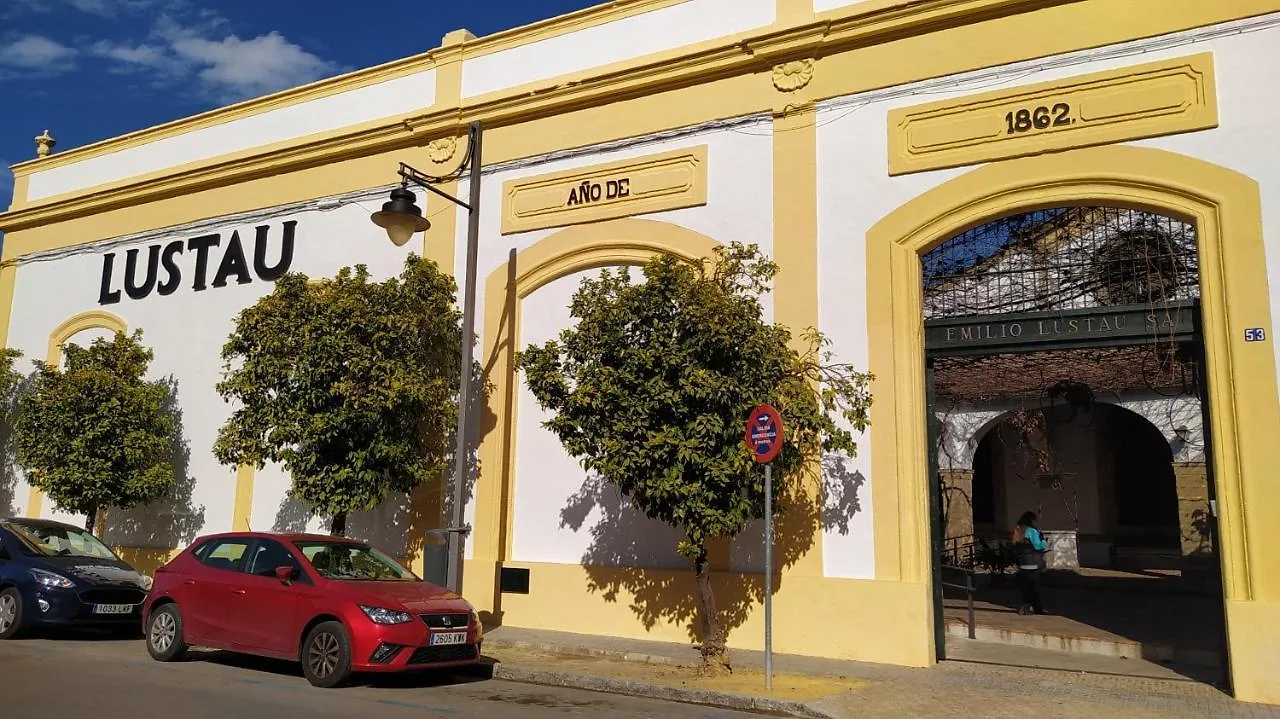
(10, 613)
(164, 634)
(326, 655)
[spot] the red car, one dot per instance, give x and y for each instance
(337, 605)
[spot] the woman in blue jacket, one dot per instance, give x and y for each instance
(1031, 549)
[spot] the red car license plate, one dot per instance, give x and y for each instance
(447, 638)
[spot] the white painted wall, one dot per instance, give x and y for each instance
(186, 330)
(668, 28)
(739, 207)
(385, 99)
(564, 515)
(855, 190)
(825, 5)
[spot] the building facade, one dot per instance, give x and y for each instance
(845, 139)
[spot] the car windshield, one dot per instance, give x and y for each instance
(55, 541)
(353, 562)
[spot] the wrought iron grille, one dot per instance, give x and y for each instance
(1063, 258)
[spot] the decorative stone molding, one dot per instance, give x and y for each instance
(45, 144)
(442, 150)
(792, 76)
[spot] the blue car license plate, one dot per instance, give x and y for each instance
(112, 608)
(448, 638)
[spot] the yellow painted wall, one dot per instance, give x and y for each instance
(782, 70)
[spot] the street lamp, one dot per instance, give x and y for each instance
(402, 219)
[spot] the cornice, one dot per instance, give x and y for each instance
(320, 88)
(757, 52)
(476, 47)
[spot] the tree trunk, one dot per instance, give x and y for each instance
(339, 526)
(715, 655)
(91, 518)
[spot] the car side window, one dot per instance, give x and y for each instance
(228, 554)
(271, 554)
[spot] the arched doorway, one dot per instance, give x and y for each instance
(1225, 208)
(1050, 321)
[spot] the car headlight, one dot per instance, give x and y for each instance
(379, 615)
(475, 619)
(145, 582)
(49, 580)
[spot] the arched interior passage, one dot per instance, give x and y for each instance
(1121, 491)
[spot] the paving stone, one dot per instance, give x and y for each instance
(1029, 681)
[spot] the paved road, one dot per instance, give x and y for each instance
(84, 675)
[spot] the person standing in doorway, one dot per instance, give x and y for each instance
(1031, 548)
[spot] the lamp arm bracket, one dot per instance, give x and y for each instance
(418, 177)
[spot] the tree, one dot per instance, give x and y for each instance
(10, 384)
(652, 388)
(351, 385)
(94, 434)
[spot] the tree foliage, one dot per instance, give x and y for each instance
(93, 434)
(652, 388)
(351, 385)
(11, 381)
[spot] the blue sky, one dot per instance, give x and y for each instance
(87, 70)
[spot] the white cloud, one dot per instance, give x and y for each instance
(236, 69)
(223, 67)
(37, 53)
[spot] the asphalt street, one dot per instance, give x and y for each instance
(84, 675)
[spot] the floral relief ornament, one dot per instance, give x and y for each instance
(792, 76)
(442, 150)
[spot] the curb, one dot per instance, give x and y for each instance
(723, 700)
(576, 651)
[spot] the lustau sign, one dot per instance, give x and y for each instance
(210, 261)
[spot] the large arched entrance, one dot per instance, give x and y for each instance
(1053, 320)
(1239, 380)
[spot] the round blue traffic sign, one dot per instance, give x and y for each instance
(764, 435)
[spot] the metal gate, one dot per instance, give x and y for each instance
(1050, 308)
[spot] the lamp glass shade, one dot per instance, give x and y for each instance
(401, 217)
(400, 226)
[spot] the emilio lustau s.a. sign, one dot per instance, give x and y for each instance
(201, 262)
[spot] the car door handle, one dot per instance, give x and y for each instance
(237, 591)
(189, 582)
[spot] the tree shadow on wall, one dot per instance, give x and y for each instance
(669, 596)
(400, 524)
(292, 516)
(9, 470)
(153, 531)
(433, 500)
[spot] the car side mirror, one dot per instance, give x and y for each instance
(286, 575)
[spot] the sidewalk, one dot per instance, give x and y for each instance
(1059, 685)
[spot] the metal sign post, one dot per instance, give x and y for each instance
(764, 438)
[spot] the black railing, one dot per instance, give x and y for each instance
(963, 558)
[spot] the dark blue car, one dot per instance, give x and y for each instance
(57, 575)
